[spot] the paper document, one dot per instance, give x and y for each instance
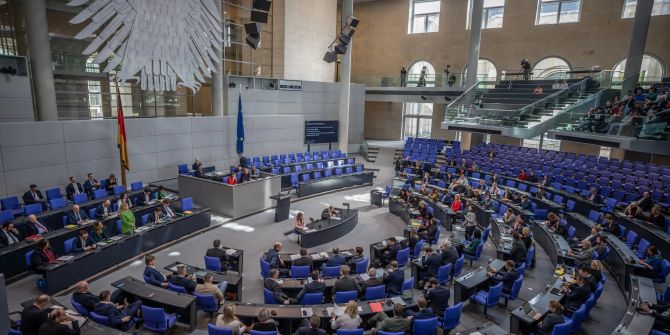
(294, 257)
(316, 256)
(230, 251)
(306, 312)
(64, 258)
(364, 276)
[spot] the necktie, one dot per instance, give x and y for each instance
(12, 239)
(35, 196)
(76, 189)
(77, 216)
(41, 229)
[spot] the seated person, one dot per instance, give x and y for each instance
(161, 193)
(358, 257)
(595, 231)
(85, 298)
(152, 275)
(656, 217)
(600, 245)
(532, 178)
(33, 316)
(165, 207)
(526, 203)
(231, 179)
(507, 275)
(304, 259)
(336, 259)
(274, 285)
(34, 196)
(158, 215)
(318, 285)
(9, 235)
(457, 205)
(660, 314)
(508, 217)
(396, 324)
(652, 262)
(111, 183)
(124, 199)
(254, 172)
(105, 210)
(372, 281)
(35, 227)
(633, 210)
(42, 255)
(265, 322)
(394, 279)
(471, 247)
(120, 316)
(73, 187)
(330, 213)
(272, 256)
(449, 253)
(145, 198)
(91, 184)
(228, 320)
(217, 252)
(77, 216)
(59, 323)
(246, 176)
(345, 283)
(610, 226)
(430, 264)
(424, 312)
(299, 223)
(183, 279)
(98, 232)
(349, 320)
(576, 294)
(208, 287)
(310, 327)
(83, 243)
(553, 318)
(437, 296)
(391, 250)
(584, 270)
(519, 253)
(594, 195)
(585, 256)
(645, 203)
(196, 167)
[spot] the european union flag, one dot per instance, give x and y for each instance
(240, 126)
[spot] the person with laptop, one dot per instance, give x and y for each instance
(553, 318)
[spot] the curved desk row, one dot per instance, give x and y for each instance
(441, 211)
(327, 230)
(649, 232)
(13, 257)
(636, 323)
(317, 258)
(234, 279)
(335, 182)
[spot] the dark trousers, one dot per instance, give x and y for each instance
(469, 231)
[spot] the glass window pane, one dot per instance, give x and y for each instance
(419, 24)
(494, 3)
(425, 127)
(410, 127)
(629, 8)
(569, 11)
(494, 18)
(426, 109)
(412, 109)
(433, 23)
(421, 7)
(661, 7)
(548, 13)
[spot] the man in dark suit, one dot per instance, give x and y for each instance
(345, 283)
(58, 324)
(311, 327)
(525, 203)
(391, 252)
(507, 275)
(73, 187)
(35, 227)
(145, 198)
(431, 263)
(34, 196)
(336, 259)
(85, 298)
(91, 184)
(167, 210)
(217, 252)
(105, 210)
(157, 216)
(9, 235)
(358, 257)
(83, 243)
(424, 312)
(518, 251)
(318, 285)
(77, 216)
(272, 256)
(449, 253)
(183, 279)
(152, 275)
(394, 279)
(373, 280)
(273, 284)
(33, 316)
(120, 319)
(437, 296)
(304, 259)
(576, 294)
(594, 195)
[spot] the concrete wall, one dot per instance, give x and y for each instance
(16, 99)
(47, 153)
(580, 148)
(600, 38)
(499, 139)
(316, 101)
(383, 120)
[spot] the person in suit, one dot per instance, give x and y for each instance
(304, 259)
(594, 195)
(553, 318)
(518, 251)
(35, 227)
(105, 210)
(42, 255)
(73, 187)
(85, 298)
(507, 275)
(358, 257)
(127, 219)
(272, 256)
(645, 203)
(145, 198)
(424, 312)
(157, 216)
(208, 287)
(652, 262)
(246, 176)
(58, 324)
(336, 259)
(124, 199)
(373, 281)
(217, 252)
(265, 322)
(311, 328)
(318, 285)
(391, 251)
(576, 294)
(98, 232)
(396, 324)
(274, 285)
(111, 183)
(430, 263)
(437, 296)
(345, 283)
(34, 196)
(183, 279)
(91, 184)
(526, 203)
(77, 216)
(33, 316)
(9, 235)
(83, 243)
(197, 168)
(165, 207)
(584, 270)
(120, 316)
(449, 253)
(583, 257)
(394, 279)
(152, 275)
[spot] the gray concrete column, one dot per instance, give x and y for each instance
(37, 31)
(475, 40)
(638, 40)
(345, 84)
(217, 77)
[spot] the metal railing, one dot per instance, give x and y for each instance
(412, 80)
(458, 107)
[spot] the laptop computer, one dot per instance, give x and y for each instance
(530, 312)
(407, 294)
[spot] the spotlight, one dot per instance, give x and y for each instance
(349, 31)
(352, 21)
(330, 56)
(340, 49)
(344, 38)
(423, 97)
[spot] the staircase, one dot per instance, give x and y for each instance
(372, 154)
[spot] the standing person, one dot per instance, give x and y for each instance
(422, 77)
(127, 220)
(525, 68)
(452, 80)
(470, 222)
(403, 77)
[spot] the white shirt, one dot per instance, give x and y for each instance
(11, 239)
(76, 188)
(169, 211)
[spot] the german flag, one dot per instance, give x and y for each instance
(121, 140)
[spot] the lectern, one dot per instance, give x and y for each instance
(283, 206)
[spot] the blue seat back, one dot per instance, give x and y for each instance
(155, 319)
(268, 297)
(79, 307)
(362, 266)
(265, 268)
(143, 219)
(118, 189)
(408, 284)
(563, 328)
(375, 292)
(444, 273)
(206, 302)
(212, 263)
(452, 316)
(31, 209)
(214, 330)
(80, 198)
(350, 331)
(68, 245)
(301, 271)
(425, 326)
(99, 194)
(6, 215)
(494, 295)
(101, 319)
(183, 169)
(345, 296)
(577, 318)
(458, 266)
(186, 204)
(136, 186)
(402, 257)
(53, 193)
(331, 271)
(516, 288)
(312, 299)
(594, 216)
(571, 232)
(57, 203)
(418, 247)
(176, 288)
(631, 237)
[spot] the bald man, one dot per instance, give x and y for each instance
(87, 299)
(77, 216)
(35, 227)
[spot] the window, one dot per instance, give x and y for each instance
(492, 16)
(661, 7)
(558, 11)
(416, 76)
(418, 120)
(486, 71)
(551, 68)
(651, 70)
(424, 16)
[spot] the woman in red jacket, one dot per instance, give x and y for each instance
(232, 179)
(457, 205)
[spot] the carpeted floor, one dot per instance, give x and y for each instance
(256, 234)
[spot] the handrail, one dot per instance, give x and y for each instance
(463, 94)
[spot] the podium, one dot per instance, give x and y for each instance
(283, 207)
